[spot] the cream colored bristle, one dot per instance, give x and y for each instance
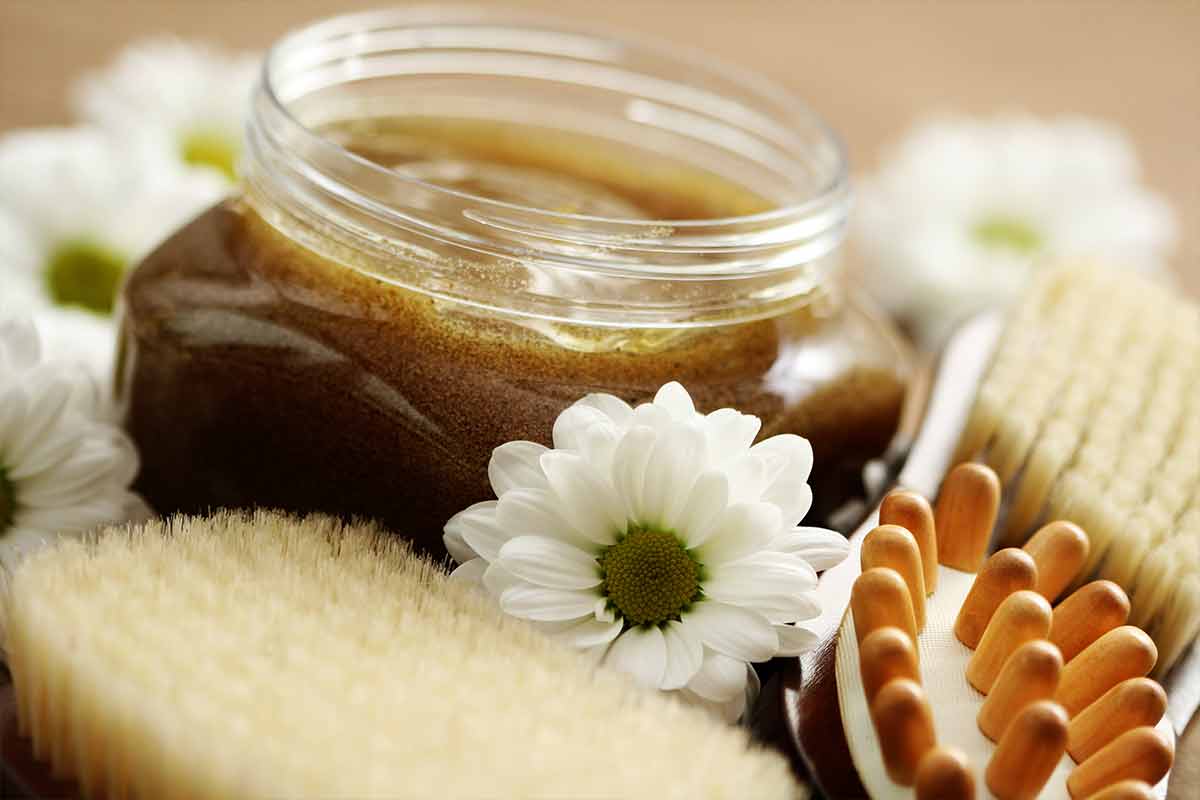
(264, 656)
(1090, 412)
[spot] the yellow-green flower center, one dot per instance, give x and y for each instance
(205, 148)
(649, 577)
(84, 273)
(8, 501)
(1002, 232)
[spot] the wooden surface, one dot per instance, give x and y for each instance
(871, 68)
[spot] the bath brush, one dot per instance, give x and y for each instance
(265, 656)
(1001, 679)
(1040, 343)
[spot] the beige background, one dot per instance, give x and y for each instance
(869, 67)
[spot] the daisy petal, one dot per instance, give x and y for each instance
(708, 498)
(773, 584)
(612, 407)
(586, 499)
(747, 476)
(550, 563)
(739, 530)
(641, 653)
(678, 456)
(457, 546)
(589, 633)
(720, 678)
(602, 611)
(477, 526)
(789, 462)
(791, 453)
(795, 640)
(629, 467)
(730, 432)
(534, 512)
(739, 633)
(597, 445)
(651, 416)
(514, 465)
(497, 580)
(764, 572)
(684, 655)
(470, 572)
(35, 446)
(20, 347)
(676, 400)
(545, 605)
(572, 423)
(819, 547)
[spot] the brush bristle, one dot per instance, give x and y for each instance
(264, 656)
(1091, 412)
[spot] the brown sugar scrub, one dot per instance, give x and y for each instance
(396, 294)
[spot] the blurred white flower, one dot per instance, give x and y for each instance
(658, 539)
(186, 99)
(963, 210)
(64, 470)
(76, 211)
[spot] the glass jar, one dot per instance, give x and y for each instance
(454, 223)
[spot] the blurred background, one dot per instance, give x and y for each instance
(871, 68)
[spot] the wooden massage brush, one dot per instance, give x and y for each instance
(962, 675)
(1085, 416)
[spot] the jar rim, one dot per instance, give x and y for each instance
(835, 185)
(292, 163)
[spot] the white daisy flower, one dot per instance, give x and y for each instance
(76, 211)
(659, 539)
(64, 470)
(963, 210)
(189, 99)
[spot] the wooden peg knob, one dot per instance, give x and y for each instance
(912, 512)
(1090, 612)
(1122, 653)
(1028, 752)
(1130, 704)
(1023, 617)
(945, 774)
(1142, 754)
(1007, 571)
(894, 547)
(904, 723)
(1060, 550)
(966, 512)
(1125, 790)
(884, 655)
(880, 599)
(1030, 674)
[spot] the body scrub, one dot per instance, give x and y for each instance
(454, 226)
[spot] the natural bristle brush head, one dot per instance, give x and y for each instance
(1043, 701)
(258, 655)
(1095, 417)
